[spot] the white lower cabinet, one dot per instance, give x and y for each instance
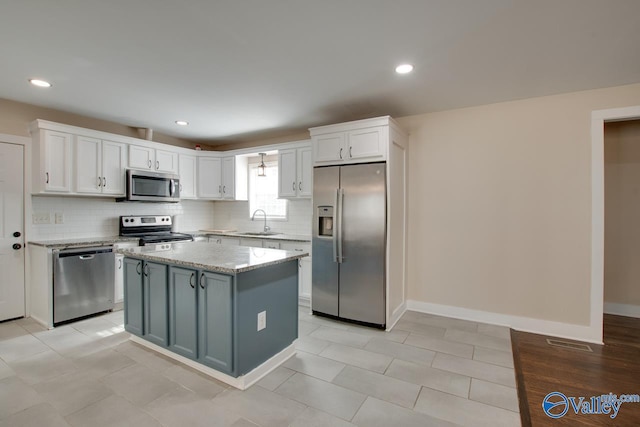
(119, 276)
(304, 270)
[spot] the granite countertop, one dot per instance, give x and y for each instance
(83, 242)
(212, 257)
(279, 236)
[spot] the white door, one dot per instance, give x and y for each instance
(187, 167)
(287, 184)
(141, 157)
(209, 178)
(305, 173)
(11, 247)
(228, 178)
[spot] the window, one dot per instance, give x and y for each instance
(263, 191)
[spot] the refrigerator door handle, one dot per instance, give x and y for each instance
(340, 202)
(335, 227)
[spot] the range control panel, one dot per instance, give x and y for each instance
(142, 221)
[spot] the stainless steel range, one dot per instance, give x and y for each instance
(151, 229)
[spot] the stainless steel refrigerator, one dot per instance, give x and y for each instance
(349, 242)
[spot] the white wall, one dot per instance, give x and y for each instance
(500, 206)
(97, 217)
(236, 216)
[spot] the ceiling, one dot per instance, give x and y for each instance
(243, 70)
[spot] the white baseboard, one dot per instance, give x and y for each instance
(304, 301)
(242, 382)
(629, 310)
(396, 315)
(525, 324)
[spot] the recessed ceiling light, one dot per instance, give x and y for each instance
(182, 122)
(39, 83)
(404, 68)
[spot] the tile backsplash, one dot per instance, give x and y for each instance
(236, 216)
(97, 217)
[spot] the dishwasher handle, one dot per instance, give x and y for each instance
(83, 257)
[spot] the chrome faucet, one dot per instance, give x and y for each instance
(266, 228)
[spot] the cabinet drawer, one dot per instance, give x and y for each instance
(270, 244)
(296, 246)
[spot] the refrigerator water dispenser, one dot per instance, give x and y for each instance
(325, 218)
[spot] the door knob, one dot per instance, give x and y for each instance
(17, 246)
(17, 234)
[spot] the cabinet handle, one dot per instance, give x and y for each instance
(299, 263)
(137, 271)
(202, 280)
(341, 154)
(104, 182)
(47, 173)
(157, 164)
(220, 189)
(181, 188)
(293, 185)
(224, 189)
(300, 186)
(350, 156)
(149, 163)
(146, 270)
(99, 182)
(119, 264)
(191, 281)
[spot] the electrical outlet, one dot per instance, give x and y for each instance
(41, 218)
(59, 218)
(262, 320)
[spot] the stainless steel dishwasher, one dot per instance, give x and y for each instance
(83, 282)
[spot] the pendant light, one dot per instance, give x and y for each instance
(262, 168)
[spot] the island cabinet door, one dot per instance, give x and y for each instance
(133, 300)
(156, 303)
(183, 313)
(215, 315)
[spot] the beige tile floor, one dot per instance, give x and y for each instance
(429, 371)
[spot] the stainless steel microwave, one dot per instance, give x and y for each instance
(147, 186)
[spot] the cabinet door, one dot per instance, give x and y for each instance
(155, 303)
(87, 165)
(183, 313)
(114, 164)
(287, 173)
(215, 317)
(230, 241)
(119, 279)
(253, 243)
(305, 172)
(366, 143)
(166, 161)
(187, 169)
(133, 297)
(57, 161)
(209, 178)
(228, 177)
(329, 147)
(270, 244)
(304, 279)
(141, 157)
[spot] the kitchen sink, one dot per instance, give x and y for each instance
(259, 233)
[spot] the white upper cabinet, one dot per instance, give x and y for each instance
(229, 178)
(166, 161)
(295, 171)
(114, 163)
(141, 157)
(99, 166)
(54, 172)
(209, 178)
(287, 171)
(222, 178)
(187, 168)
(353, 142)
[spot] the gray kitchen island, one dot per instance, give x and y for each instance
(228, 311)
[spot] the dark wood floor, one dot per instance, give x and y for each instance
(611, 368)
